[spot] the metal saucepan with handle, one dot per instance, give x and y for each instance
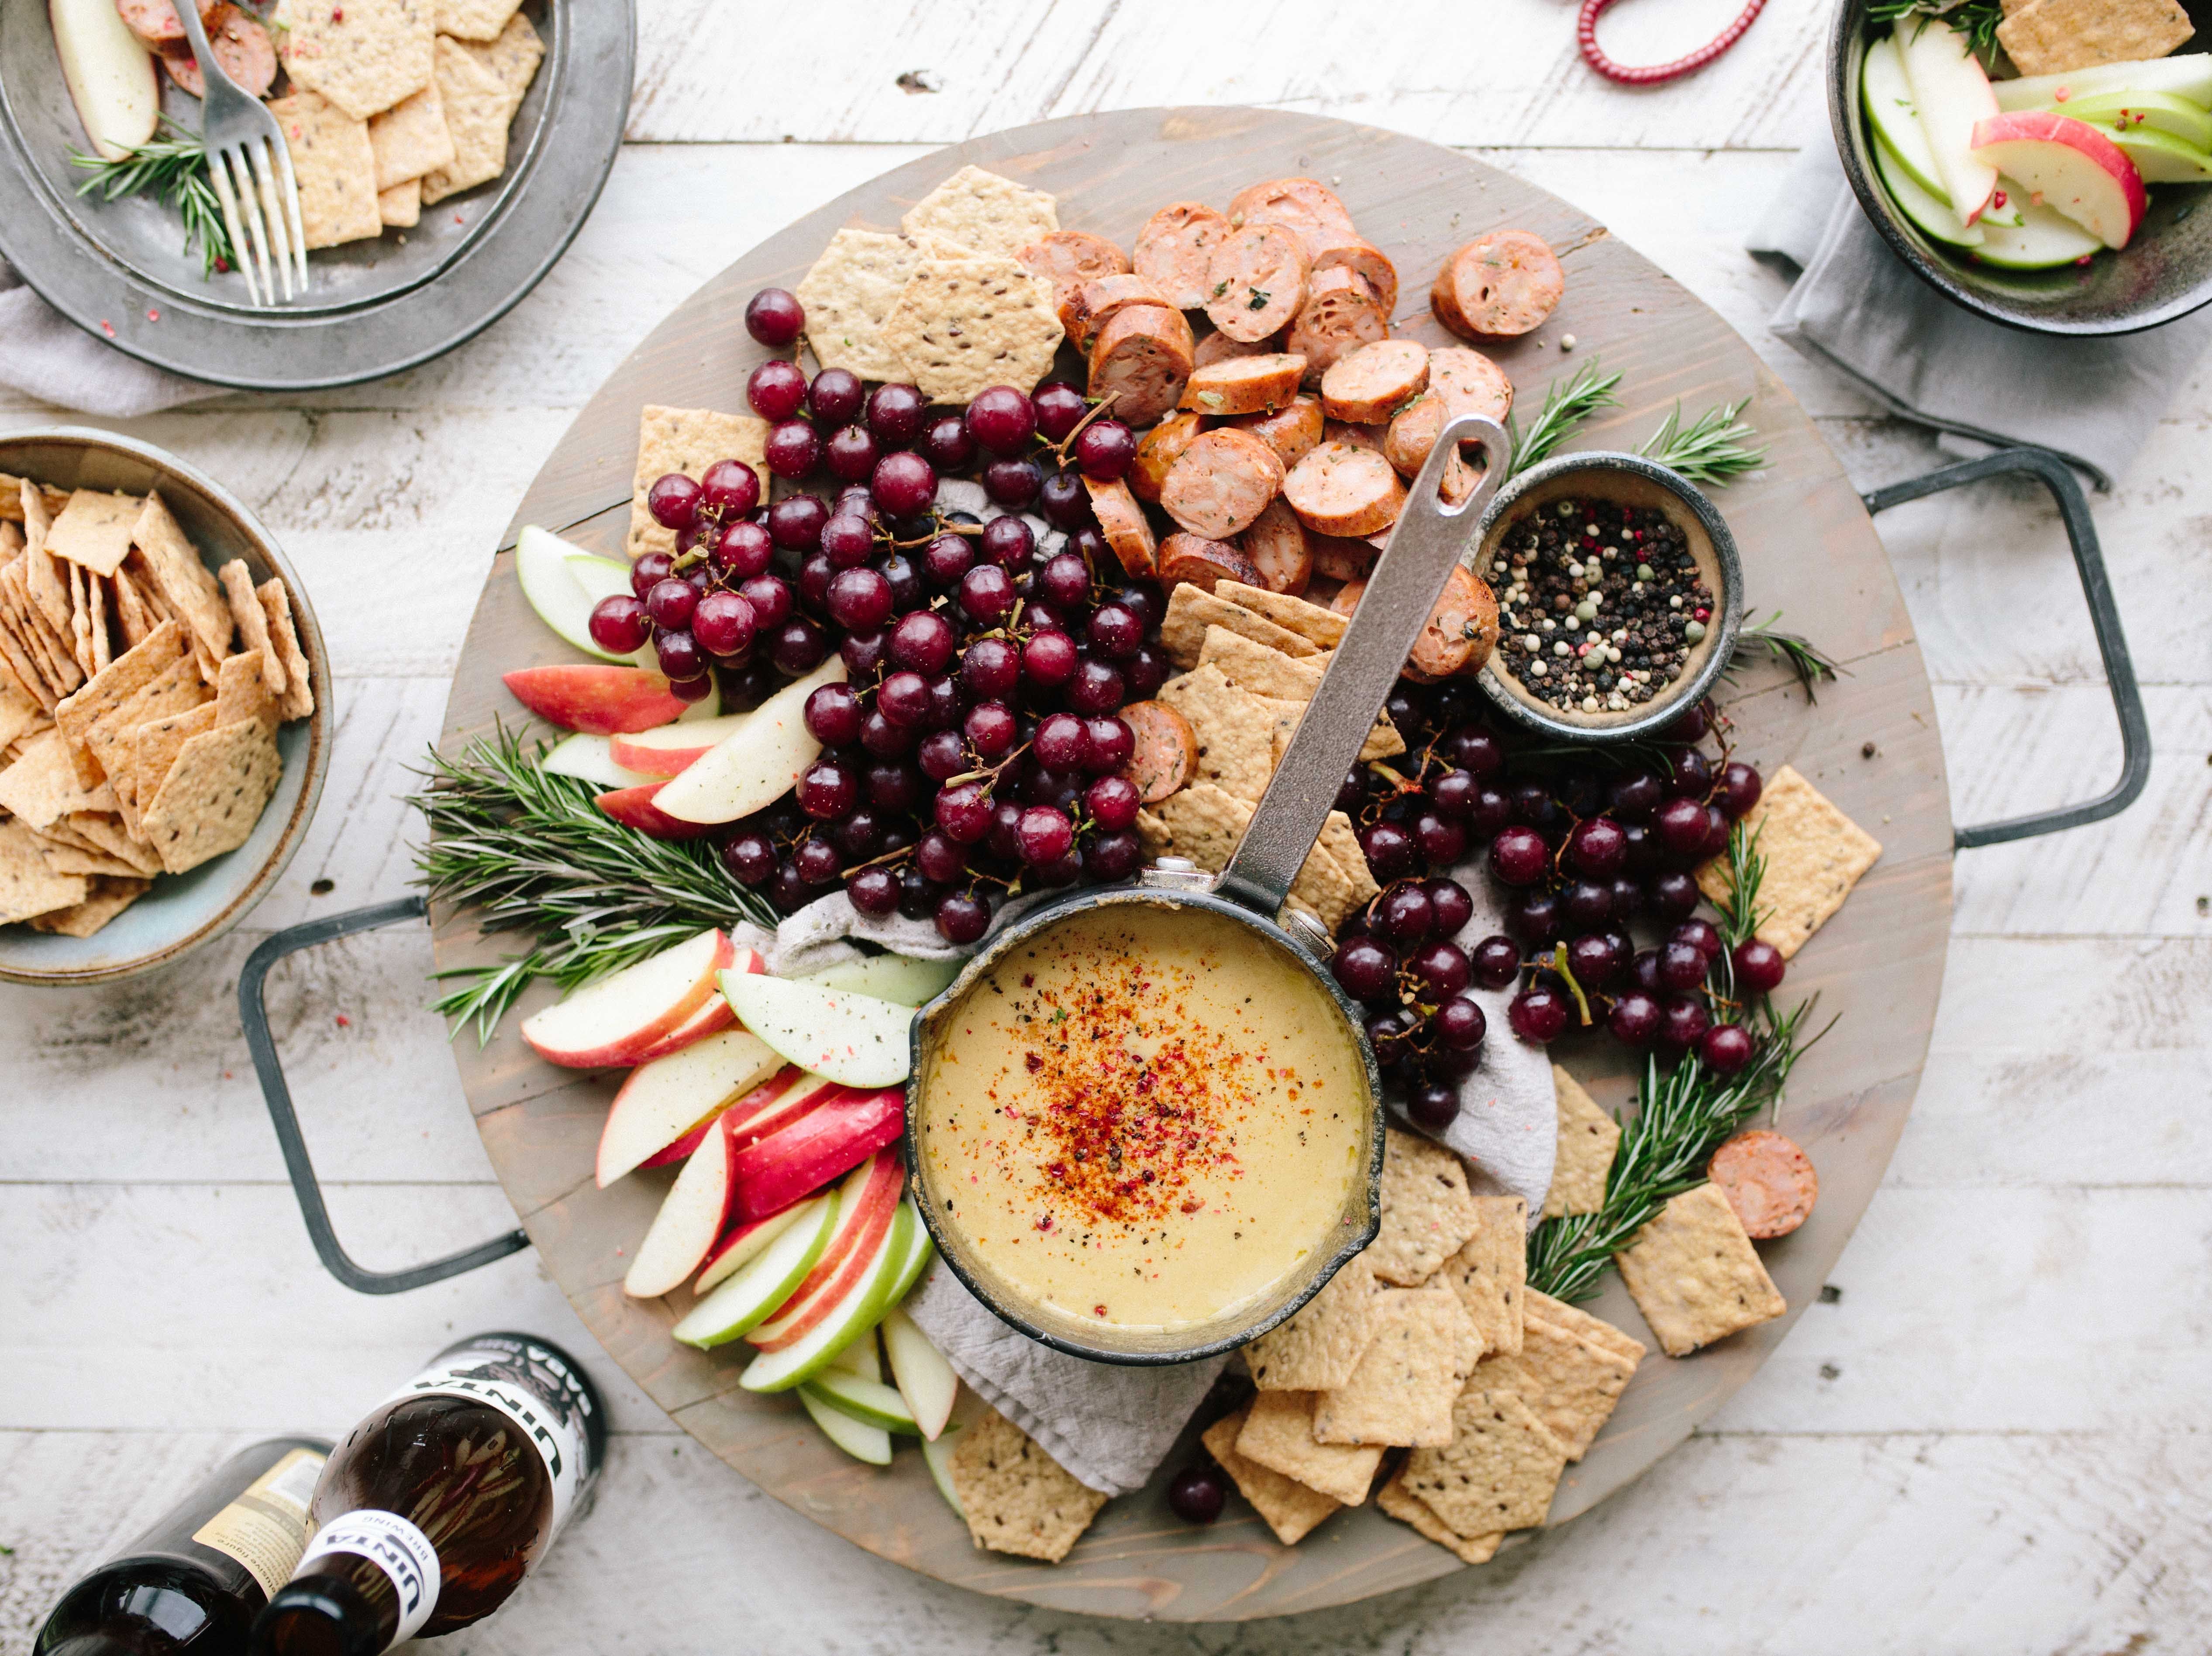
(1249, 894)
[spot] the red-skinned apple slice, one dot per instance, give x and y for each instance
(666, 1098)
(622, 1017)
(695, 1213)
(603, 700)
(741, 1245)
(865, 1203)
(776, 1105)
(860, 1308)
(668, 749)
(774, 1172)
(2070, 166)
(714, 1017)
(634, 807)
(759, 763)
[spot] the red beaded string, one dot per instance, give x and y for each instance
(1655, 74)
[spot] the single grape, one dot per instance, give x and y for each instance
(1389, 1032)
(1007, 541)
(1532, 804)
(1403, 916)
(847, 540)
(1113, 802)
(1453, 795)
(775, 317)
(1441, 966)
(942, 754)
(1045, 836)
(1476, 751)
(1058, 408)
(1597, 846)
(1533, 915)
(1716, 831)
(859, 600)
(963, 917)
(731, 487)
(649, 571)
(828, 789)
(1113, 855)
(680, 657)
(1013, 482)
(817, 861)
(792, 449)
(1037, 613)
(1113, 743)
(744, 550)
(795, 522)
(1105, 451)
(1702, 936)
(1443, 841)
(895, 413)
(693, 690)
(1593, 959)
(1006, 820)
(797, 647)
(1539, 1014)
(903, 484)
(620, 624)
(908, 593)
(941, 857)
(1048, 660)
(673, 500)
(946, 444)
(1001, 419)
(1064, 502)
(989, 729)
(1683, 1022)
(1404, 705)
(834, 397)
(895, 784)
(1365, 967)
(1060, 741)
(749, 857)
(1518, 855)
(1492, 811)
(873, 891)
(1690, 726)
(918, 896)
(860, 836)
(864, 655)
(1145, 672)
(1432, 1106)
(1496, 962)
(1586, 903)
(815, 571)
(1450, 904)
(1724, 1048)
(851, 453)
(991, 668)
(1681, 965)
(1066, 581)
(1197, 1495)
(946, 558)
(1391, 851)
(1691, 776)
(1681, 828)
(1643, 970)
(1624, 899)
(1635, 795)
(1114, 633)
(787, 891)
(1672, 895)
(1758, 965)
(986, 595)
(922, 642)
(724, 624)
(1094, 687)
(1461, 1024)
(775, 390)
(903, 698)
(1634, 1019)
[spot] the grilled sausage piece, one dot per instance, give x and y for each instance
(1123, 523)
(1245, 384)
(1067, 259)
(1308, 208)
(1223, 481)
(1158, 450)
(1367, 262)
(1469, 383)
(1256, 281)
(1176, 248)
(1276, 547)
(1369, 386)
(1461, 630)
(1498, 286)
(1340, 489)
(1339, 558)
(1293, 431)
(1348, 595)
(1141, 359)
(1092, 304)
(1414, 431)
(1194, 560)
(1340, 314)
(156, 22)
(240, 45)
(1218, 346)
(1166, 752)
(1767, 1180)
(1339, 431)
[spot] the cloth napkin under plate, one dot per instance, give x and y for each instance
(51, 358)
(1859, 309)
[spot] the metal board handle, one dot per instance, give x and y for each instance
(254, 1012)
(2058, 477)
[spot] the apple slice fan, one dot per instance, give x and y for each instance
(1655, 74)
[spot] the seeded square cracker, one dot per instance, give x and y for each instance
(1490, 1272)
(1814, 855)
(962, 325)
(298, 700)
(1384, 741)
(107, 896)
(1234, 729)
(1253, 663)
(981, 210)
(1338, 839)
(94, 531)
(18, 709)
(847, 295)
(1203, 823)
(335, 168)
(1192, 612)
(154, 743)
(1016, 1498)
(242, 691)
(178, 690)
(1498, 1473)
(99, 702)
(364, 56)
(106, 832)
(514, 57)
(1397, 1502)
(1424, 1347)
(1319, 1348)
(410, 139)
(1428, 1213)
(1290, 1508)
(213, 795)
(1323, 627)
(1277, 1434)
(36, 641)
(252, 621)
(474, 20)
(401, 206)
(477, 110)
(1596, 1330)
(1588, 1138)
(1568, 1383)
(2052, 37)
(187, 587)
(27, 887)
(67, 857)
(688, 440)
(1695, 1276)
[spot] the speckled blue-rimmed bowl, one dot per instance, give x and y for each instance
(183, 911)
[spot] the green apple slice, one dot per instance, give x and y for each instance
(937, 1454)
(590, 759)
(1895, 117)
(2188, 77)
(856, 1438)
(918, 1257)
(899, 977)
(744, 1302)
(855, 1039)
(1924, 208)
(924, 1380)
(2161, 111)
(862, 1309)
(860, 1358)
(870, 1402)
(562, 582)
(2045, 239)
(2161, 157)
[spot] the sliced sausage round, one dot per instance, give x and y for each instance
(1193, 561)
(1340, 558)
(1166, 752)
(1276, 547)
(1459, 479)
(240, 45)
(1175, 249)
(1767, 1180)
(1141, 359)
(1158, 450)
(1339, 431)
(1092, 304)
(1348, 595)
(1218, 346)
(1340, 489)
(1498, 286)
(1245, 384)
(1256, 281)
(1307, 208)
(1340, 314)
(1469, 383)
(1067, 259)
(1461, 627)
(1223, 481)
(1293, 431)
(1372, 383)
(1367, 262)
(1121, 520)
(1414, 431)
(155, 21)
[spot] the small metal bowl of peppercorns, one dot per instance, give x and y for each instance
(1618, 592)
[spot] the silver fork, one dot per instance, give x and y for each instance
(249, 163)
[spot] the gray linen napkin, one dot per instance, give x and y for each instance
(51, 358)
(1860, 310)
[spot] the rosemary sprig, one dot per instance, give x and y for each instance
(174, 168)
(1800, 654)
(1741, 915)
(1710, 450)
(532, 854)
(1977, 20)
(1567, 404)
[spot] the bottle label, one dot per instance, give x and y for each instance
(394, 1546)
(532, 1388)
(265, 1529)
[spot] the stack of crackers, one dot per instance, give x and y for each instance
(398, 104)
(945, 304)
(140, 697)
(1254, 660)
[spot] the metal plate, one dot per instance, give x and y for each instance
(118, 270)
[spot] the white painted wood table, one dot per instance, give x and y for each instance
(1990, 1437)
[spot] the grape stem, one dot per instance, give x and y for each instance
(1574, 987)
(1095, 412)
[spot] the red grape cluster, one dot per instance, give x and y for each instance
(975, 742)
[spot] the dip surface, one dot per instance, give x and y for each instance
(1143, 1116)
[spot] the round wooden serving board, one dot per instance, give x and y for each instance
(1809, 550)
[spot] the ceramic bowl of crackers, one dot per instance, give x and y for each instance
(164, 708)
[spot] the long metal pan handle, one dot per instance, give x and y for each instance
(2058, 476)
(254, 1012)
(1425, 546)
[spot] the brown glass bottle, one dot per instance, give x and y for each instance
(434, 1508)
(192, 1584)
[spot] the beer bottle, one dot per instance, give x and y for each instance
(434, 1508)
(192, 1584)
